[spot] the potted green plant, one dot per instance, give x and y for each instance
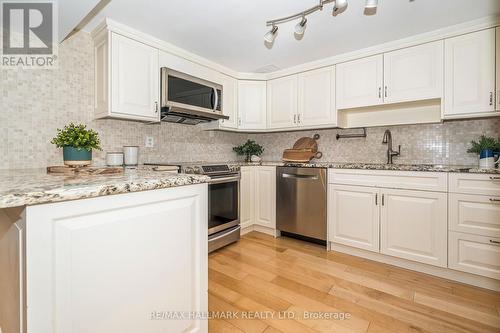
(486, 147)
(77, 143)
(249, 149)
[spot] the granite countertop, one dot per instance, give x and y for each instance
(376, 166)
(35, 186)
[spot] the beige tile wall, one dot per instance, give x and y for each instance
(34, 103)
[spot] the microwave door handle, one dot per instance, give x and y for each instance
(216, 99)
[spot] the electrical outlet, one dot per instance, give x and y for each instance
(149, 142)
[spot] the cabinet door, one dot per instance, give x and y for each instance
(470, 73)
(230, 102)
(123, 256)
(252, 104)
(414, 73)
(413, 226)
(135, 79)
(359, 82)
(265, 196)
(247, 195)
(497, 71)
(353, 216)
(282, 102)
(317, 97)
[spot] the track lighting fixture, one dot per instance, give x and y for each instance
(371, 4)
(270, 36)
(339, 6)
(301, 26)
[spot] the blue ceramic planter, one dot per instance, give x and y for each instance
(76, 157)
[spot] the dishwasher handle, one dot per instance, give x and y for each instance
(296, 176)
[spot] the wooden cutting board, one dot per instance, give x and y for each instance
(66, 170)
(307, 143)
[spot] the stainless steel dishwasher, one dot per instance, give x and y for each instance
(301, 201)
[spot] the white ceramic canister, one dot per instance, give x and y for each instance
(114, 159)
(131, 155)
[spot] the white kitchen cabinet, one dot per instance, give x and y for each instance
(316, 97)
(265, 196)
(353, 216)
(112, 262)
(359, 82)
(474, 254)
(127, 79)
(497, 95)
(247, 195)
(414, 73)
(470, 74)
(413, 225)
(229, 102)
(282, 102)
(474, 214)
(252, 105)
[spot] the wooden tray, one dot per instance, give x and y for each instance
(66, 170)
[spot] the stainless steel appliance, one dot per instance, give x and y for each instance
(301, 202)
(189, 100)
(223, 201)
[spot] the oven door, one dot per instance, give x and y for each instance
(223, 203)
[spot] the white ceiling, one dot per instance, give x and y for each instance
(230, 32)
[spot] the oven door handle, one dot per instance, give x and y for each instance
(224, 180)
(224, 234)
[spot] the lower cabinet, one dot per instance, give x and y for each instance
(258, 196)
(474, 254)
(405, 223)
(413, 225)
(353, 216)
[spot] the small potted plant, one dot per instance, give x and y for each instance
(485, 147)
(77, 143)
(250, 150)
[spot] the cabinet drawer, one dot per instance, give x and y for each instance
(475, 214)
(474, 254)
(427, 181)
(475, 183)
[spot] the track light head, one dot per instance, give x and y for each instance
(339, 6)
(301, 26)
(270, 36)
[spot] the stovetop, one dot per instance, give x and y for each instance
(204, 168)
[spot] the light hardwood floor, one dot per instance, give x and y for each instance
(264, 277)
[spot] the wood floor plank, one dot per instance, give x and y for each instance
(219, 306)
(261, 273)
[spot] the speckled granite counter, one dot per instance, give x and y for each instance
(376, 166)
(35, 186)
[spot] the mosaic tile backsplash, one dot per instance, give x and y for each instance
(34, 103)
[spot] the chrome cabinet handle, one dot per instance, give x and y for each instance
(298, 118)
(494, 200)
(494, 178)
(156, 107)
(494, 241)
(239, 121)
(294, 118)
(379, 92)
(491, 98)
(383, 201)
(376, 199)
(385, 91)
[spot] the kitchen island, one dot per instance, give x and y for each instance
(103, 253)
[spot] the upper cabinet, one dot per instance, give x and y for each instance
(406, 75)
(470, 75)
(229, 102)
(127, 79)
(282, 102)
(359, 82)
(252, 105)
(316, 90)
(497, 95)
(414, 73)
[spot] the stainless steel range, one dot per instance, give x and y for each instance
(223, 201)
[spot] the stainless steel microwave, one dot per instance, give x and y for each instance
(189, 100)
